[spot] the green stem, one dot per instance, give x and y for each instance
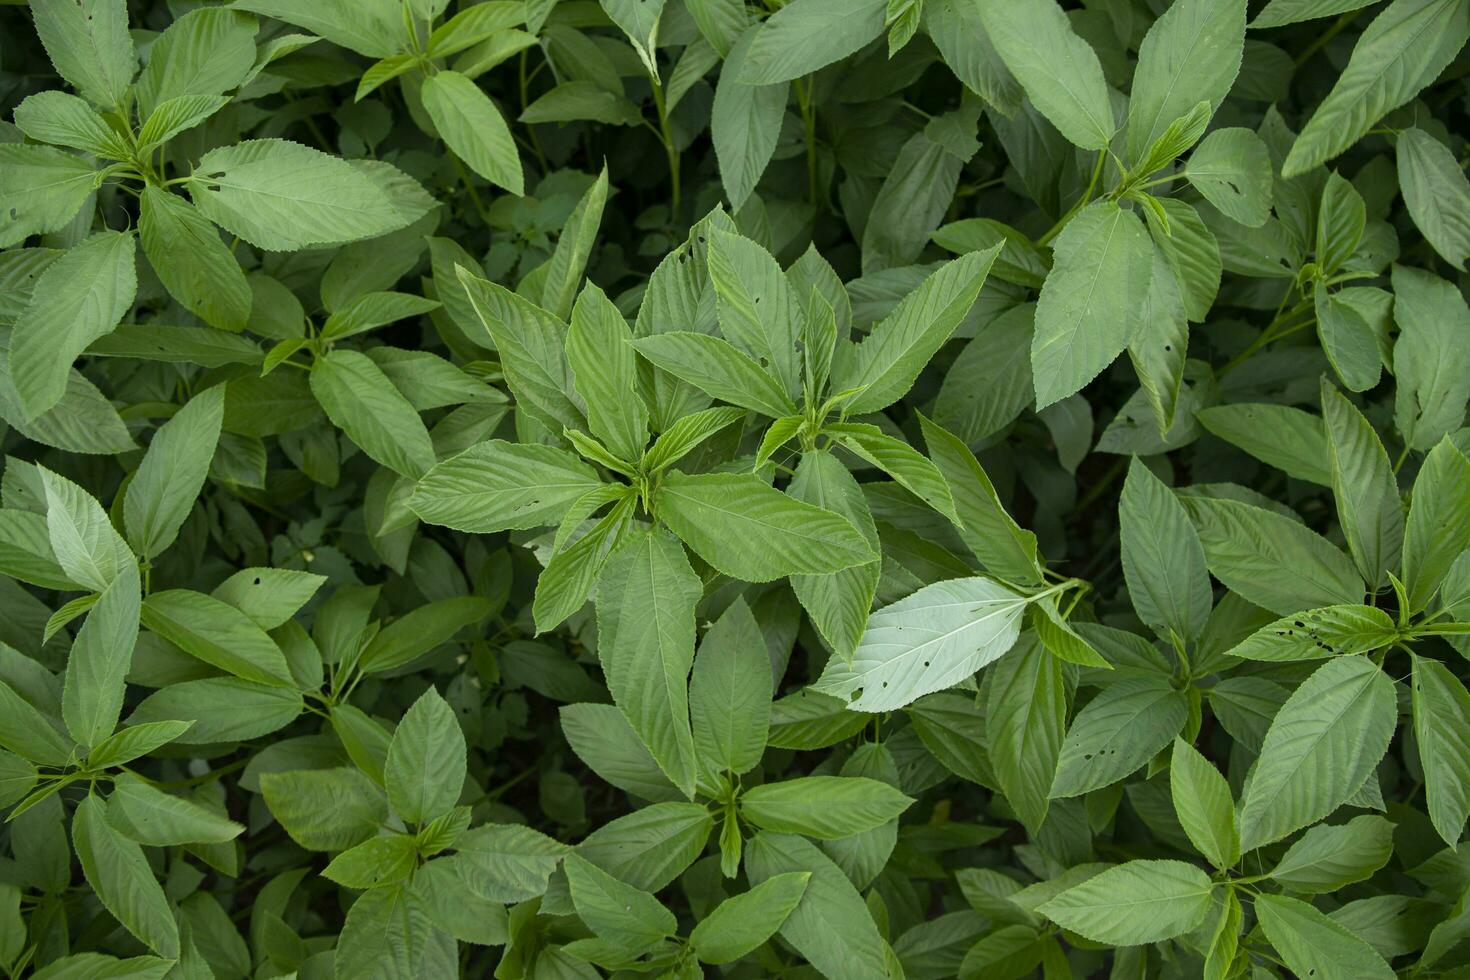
(809, 124)
(464, 178)
(1321, 40)
(1278, 328)
(670, 151)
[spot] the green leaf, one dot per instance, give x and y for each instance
(730, 693)
(639, 20)
(1002, 545)
(175, 116)
(65, 120)
(1441, 713)
(1317, 633)
(1311, 944)
(742, 922)
(1436, 193)
(1405, 47)
(28, 733)
(496, 486)
(806, 35)
(1204, 805)
(1134, 903)
(928, 641)
(82, 538)
(824, 807)
(172, 473)
(282, 196)
(754, 533)
(425, 770)
(600, 354)
(360, 400)
(196, 267)
(1363, 485)
(373, 28)
(568, 578)
(573, 244)
(473, 129)
(888, 361)
(506, 863)
(222, 709)
(150, 816)
(80, 297)
(325, 809)
(417, 632)
(129, 743)
(1278, 13)
(43, 189)
(1089, 308)
(685, 435)
(532, 346)
(1438, 527)
(627, 917)
(1059, 71)
(386, 934)
(1231, 168)
(218, 634)
(1289, 439)
(472, 25)
(743, 275)
(718, 368)
(1025, 722)
(376, 862)
(205, 52)
(909, 468)
(372, 310)
(645, 627)
(1272, 560)
(268, 596)
(1163, 561)
(830, 926)
(1191, 54)
(1117, 732)
(101, 654)
(745, 123)
(1327, 858)
(1431, 357)
(652, 846)
(1323, 743)
(838, 602)
(122, 880)
(89, 43)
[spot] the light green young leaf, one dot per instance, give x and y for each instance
(887, 362)
(646, 596)
(417, 632)
(909, 468)
(806, 35)
(638, 19)
(497, 486)
(824, 807)
(1091, 304)
(753, 532)
(175, 116)
(1441, 719)
(1117, 732)
(89, 43)
(150, 816)
(129, 743)
(1311, 944)
(92, 696)
(282, 196)
(81, 536)
(1163, 561)
(1368, 505)
(474, 24)
(473, 129)
(1232, 169)
(425, 770)
(1431, 358)
(1134, 903)
(628, 917)
(742, 922)
(926, 642)
(376, 862)
(1204, 805)
(360, 400)
(1059, 71)
(63, 119)
(567, 580)
(1327, 858)
(164, 487)
(1323, 743)
(372, 310)
(600, 354)
(573, 244)
(80, 297)
(730, 693)
(1191, 54)
(218, 634)
(1405, 47)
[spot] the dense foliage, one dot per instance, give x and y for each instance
(653, 488)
